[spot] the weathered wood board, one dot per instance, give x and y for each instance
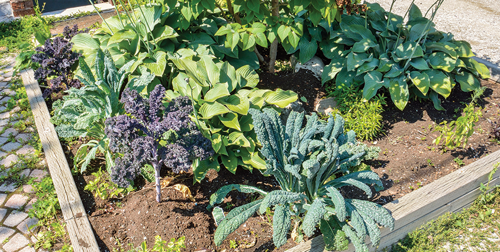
(77, 223)
(450, 193)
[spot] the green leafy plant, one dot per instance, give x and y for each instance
(459, 161)
(102, 187)
(222, 97)
(83, 111)
(377, 49)
(361, 116)
(457, 132)
(162, 246)
(311, 164)
(47, 205)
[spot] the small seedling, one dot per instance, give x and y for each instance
(429, 162)
(459, 161)
(233, 244)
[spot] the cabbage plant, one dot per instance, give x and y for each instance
(311, 165)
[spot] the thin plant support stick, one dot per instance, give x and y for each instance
(98, 13)
(132, 24)
(118, 14)
(157, 180)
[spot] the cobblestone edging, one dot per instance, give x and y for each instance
(15, 198)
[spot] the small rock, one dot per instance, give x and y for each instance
(3, 196)
(10, 131)
(16, 242)
(11, 146)
(38, 174)
(326, 106)
(9, 160)
(315, 65)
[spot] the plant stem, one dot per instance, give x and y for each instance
(157, 178)
(231, 10)
(273, 51)
(104, 20)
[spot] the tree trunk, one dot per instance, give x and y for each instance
(273, 51)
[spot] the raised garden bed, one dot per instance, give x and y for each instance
(175, 216)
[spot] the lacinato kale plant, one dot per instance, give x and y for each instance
(311, 164)
(57, 60)
(154, 134)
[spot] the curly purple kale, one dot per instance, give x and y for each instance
(154, 134)
(56, 59)
(69, 33)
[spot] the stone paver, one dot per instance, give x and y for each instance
(11, 146)
(3, 196)
(15, 218)
(8, 187)
(23, 136)
(27, 149)
(9, 160)
(5, 233)
(27, 249)
(3, 211)
(10, 131)
(29, 206)
(16, 242)
(39, 174)
(27, 224)
(15, 233)
(16, 201)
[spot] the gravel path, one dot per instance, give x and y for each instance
(15, 198)
(475, 21)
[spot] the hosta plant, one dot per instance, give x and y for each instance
(155, 134)
(222, 97)
(82, 112)
(311, 164)
(411, 60)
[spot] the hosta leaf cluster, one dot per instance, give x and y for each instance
(151, 133)
(82, 112)
(311, 165)
(222, 97)
(410, 60)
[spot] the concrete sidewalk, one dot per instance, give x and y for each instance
(475, 21)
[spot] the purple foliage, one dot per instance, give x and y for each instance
(138, 136)
(56, 60)
(69, 33)
(495, 130)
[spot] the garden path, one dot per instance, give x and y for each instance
(17, 166)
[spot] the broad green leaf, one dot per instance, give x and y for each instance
(84, 42)
(230, 162)
(331, 50)
(367, 67)
(307, 49)
(363, 45)
(283, 32)
(122, 35)
(200, 168)
(237, 103)
(230, 120)
(331, 70)
(399, 92)
(354, 60)
(408, 50)
(338, 201)
(435, 100)
(357, 32)
(250, 77)
(260, 39)
(293, 38)
(440, 60)
(385, 63)
(211, 109)
(157, 63)
(333, 236)
(419, 63)
(281, 98)
(395, 72)
(373, 82)
(477, 67)
(221, 194)
(463, 49)
(421, 80)
(414, 12)
(446, 47)
(440, 82)
(217, 91)
(237, 138)
(468, 82)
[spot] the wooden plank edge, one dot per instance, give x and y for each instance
(404, 226)
(77, 224)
